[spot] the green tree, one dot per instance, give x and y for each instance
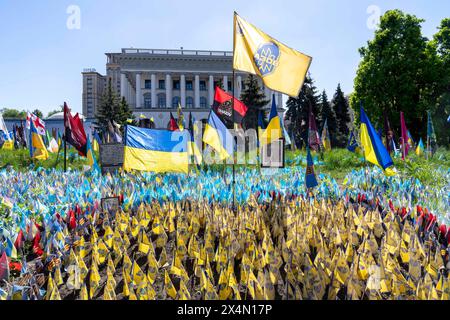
(298, 111)
(14, 114)
(109, 109)
(399, 71)
(255, 99)
(442, 111)
(125, 113)
(327, 113)
(341, 109)
(38, 113)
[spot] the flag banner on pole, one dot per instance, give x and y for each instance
(374, 150)
(39, 124)
(218, 137)
(223, 107)
(91, 157)
(3, 127)
(173, 125)
(75, 134)
(37, 147)
(310, 177)
(281, 68)
(404, 138)
(313, 133)
(180, 117)
(273, 131)
(326, 142)
(420, 148)
(156, 150)
(193, 148)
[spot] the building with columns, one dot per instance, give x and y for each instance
(155, 81)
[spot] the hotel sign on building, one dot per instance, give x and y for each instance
(155, 81)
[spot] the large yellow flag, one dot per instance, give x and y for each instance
(281, 68)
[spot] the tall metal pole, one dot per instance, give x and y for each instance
(232, 108)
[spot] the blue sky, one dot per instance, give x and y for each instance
(41, 59)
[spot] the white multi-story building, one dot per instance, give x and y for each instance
(155, 81)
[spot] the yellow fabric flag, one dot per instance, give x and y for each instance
(84, 293)
(138, 275)
(170, 289)
(281, 68)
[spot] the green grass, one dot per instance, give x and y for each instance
(336, 163)
(20, 160)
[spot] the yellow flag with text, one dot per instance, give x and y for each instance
(281, 68)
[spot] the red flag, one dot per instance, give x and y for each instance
(36, 247)
(223, 107)
(19, 241)
(4, 267)
(74, 133)
(173, 125)
(37, 122)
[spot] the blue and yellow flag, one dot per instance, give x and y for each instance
(420, 148)
(156, 150)
(91, 156)
(326, 142)
(352, 143)
(273, 131)
(374, 150)
(218, 137)
(37, 147)
(281, 68)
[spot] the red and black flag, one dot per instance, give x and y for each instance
(74, 131)
(223, 107)
(173, 125)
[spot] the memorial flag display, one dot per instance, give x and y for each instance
(74, 131)
(156, 150)
(39, 124)
(374, 150)
(223, 107)
(273, 130)
(281, 68)
(218, 137)
(36, 144)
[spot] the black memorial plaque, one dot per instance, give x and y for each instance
(111, 156)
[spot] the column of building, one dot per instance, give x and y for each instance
(168, 91)
(197, 91)
(153, 89)
(138, 91)
(211, 90)
(183, 90)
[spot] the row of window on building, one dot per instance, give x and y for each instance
(176, 85)
(176, 101)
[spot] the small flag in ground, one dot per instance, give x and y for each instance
(310, 178)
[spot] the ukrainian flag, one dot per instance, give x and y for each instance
(37, 146)
(374, 150)
(91, 156)
(273, 131)
(281, 68)
(420, 148)
(156, 150)
(218, 137)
